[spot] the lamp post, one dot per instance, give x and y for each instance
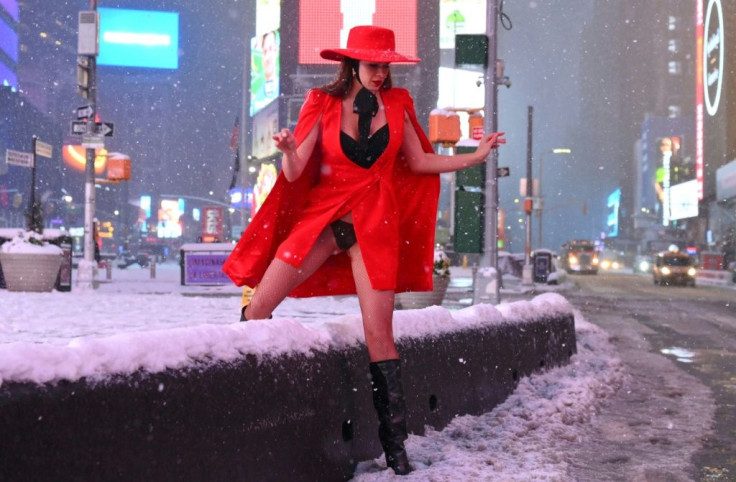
(558, 150)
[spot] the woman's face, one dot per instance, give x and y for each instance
(373, 75)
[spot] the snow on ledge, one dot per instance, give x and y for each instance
(178, 348)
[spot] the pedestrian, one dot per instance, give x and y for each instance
(353, 211)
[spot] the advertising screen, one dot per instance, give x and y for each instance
(8, 41)
(169, 213)
(11, 7)
(139, 38)
(265, 68)
(613, 204)
(460, 17)
(667, 161)
(75, 156)
(715, 109)
(326, 23)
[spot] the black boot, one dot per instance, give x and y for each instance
(388, 398)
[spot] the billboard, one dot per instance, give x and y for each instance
(715, 90)
(668, 160)
(139, 38)
(265, 69)
(75, 156)
(169, 213)
(326, 23)
(613, 203)
(8, 41)
(11, 7)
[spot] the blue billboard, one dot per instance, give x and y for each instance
(139, 38)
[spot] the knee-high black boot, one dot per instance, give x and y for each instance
(388, 398)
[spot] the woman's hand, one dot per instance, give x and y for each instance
(488, 142)
(285, 141)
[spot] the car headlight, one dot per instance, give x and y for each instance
(573, 260)
(666, 271)
(644, 266)
(615, 265)
(691, 272)
(605, 264)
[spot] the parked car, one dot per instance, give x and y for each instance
(674, 268)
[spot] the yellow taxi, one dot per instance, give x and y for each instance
(673, 267)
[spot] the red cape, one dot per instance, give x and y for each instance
(416, 194)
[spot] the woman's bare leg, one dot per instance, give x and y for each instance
(281, 278)
(377, 308)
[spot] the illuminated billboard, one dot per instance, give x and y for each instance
(169, 214)
(265, 68)
(613, 204)
(715, 100)
(11, 7)
(8, 41)
(668, 160)
(461, 17)
(326, 23)
(139, 38)
(75, 156)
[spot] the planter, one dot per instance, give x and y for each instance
(422, 299)
(30, 271)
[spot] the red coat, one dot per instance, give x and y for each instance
(394, 210)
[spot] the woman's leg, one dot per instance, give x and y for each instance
(377, 308)
(281, 278)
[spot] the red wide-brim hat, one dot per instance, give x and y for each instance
(371, 44)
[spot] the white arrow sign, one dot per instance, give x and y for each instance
(105, 129)
(85, 112)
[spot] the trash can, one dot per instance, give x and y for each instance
(541, 262)
(64, 280)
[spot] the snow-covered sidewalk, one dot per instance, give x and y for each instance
(134, 321)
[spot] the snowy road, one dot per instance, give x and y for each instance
(679, 349)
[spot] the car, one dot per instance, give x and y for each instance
(673, 267)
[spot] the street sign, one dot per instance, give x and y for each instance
(79, 128)
(105, 129)
(503, 171)
(85, 112)
(17, 158)
(43, 149)
(93, 142)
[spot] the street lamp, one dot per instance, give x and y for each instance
(558, 150)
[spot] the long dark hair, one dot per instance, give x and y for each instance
(342, 82)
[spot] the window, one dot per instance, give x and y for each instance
(673, 46)
(672, 22)
(674, 67)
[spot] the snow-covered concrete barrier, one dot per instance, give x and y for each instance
(268, 400)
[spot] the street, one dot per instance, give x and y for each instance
(676, 409)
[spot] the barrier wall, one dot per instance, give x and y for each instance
(294, 417)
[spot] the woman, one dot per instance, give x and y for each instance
(356, 199)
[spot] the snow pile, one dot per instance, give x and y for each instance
(528, 436)
(97, 355)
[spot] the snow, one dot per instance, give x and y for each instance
(19, 243)
(134, 321)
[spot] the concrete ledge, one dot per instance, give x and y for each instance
(292, 417)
